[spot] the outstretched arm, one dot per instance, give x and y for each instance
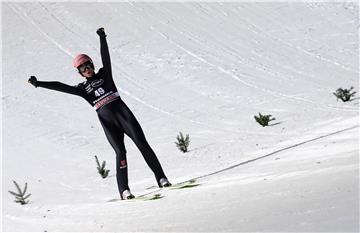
(57, 86)
(104, 50)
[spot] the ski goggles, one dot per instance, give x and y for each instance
(87, 65)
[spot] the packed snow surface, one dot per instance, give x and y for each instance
(201, 68)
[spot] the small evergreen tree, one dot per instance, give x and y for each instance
(182, 142)
(20, 196)
(263, 119)
(344, 94)
(101, 169)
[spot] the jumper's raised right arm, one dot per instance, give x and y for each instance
(57, 86)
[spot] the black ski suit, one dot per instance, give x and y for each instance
(115, 117)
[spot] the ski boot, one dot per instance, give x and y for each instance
(127, 195)
(164, 183)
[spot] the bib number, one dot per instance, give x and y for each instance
(99, 92)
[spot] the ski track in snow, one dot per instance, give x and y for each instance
(23, 15)
(240, 79)
(230, 52)
(299, 48)
(259, 158)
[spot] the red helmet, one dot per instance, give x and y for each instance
(81, 59)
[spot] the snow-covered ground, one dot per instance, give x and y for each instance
(201, 68)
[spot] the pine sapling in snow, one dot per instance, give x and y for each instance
(21, 195)
(182, 142)
(344, 94)
(264, 119)
(101, 169)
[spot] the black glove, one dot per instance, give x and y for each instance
(101, 32)
(32, 80)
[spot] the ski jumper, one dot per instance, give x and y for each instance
(114, 115)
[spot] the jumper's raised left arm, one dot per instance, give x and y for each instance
(104, 50)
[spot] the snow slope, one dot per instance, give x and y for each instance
(204, 69)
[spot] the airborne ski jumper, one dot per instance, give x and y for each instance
(115, 117)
